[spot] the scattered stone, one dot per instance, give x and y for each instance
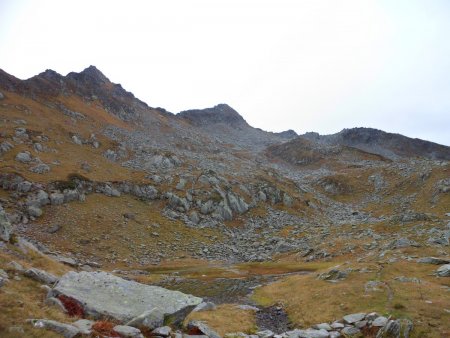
(34, 211)
(323, 326)
(66, 330)
(373, 286)
(18, 331)
(128, 331)
(205, 306)
(23, 157)
(56, 198)
(350, 331)
(402, 243)
(41, 168)
(353, 318)
(194, 217)
(162, 331)
(333, 274)
(404, 279)
(337, 325)
(379, 321)
(400, 328)
(308, 333)
(434, 260)
(84, 325)
(5, 146)
(54, 228)
(265, 334)
(41, 276)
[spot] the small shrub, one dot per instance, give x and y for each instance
(104, 329)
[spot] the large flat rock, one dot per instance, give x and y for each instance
(103, 294)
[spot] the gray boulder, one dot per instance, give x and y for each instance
(147, 192)
(71, 195)
(236, 203)
(400, 328)
(4, 278)
(5, 146)
(24, 186)
(223, 212)
(34, 211)
(23, 157)
(443, 271)
(56, 198)
(434, 260)
(207, 207)
(38, 200)
(103, 294)
(5, 226)
(287, 200)
(194, 217)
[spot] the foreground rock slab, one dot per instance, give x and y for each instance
(104, 295)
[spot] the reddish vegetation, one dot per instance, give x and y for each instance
(72, 306)
(104, 328)
(195, 331)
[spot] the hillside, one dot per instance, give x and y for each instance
(279, 231)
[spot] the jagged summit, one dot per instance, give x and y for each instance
(90, 75)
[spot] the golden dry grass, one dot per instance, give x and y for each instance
(227, 318)
(24, 299)
(309, 300)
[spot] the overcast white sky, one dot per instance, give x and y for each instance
(307, 65)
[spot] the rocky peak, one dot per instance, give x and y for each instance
(50, 74)
(90, 75)
(222, 113)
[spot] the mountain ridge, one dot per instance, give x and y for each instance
(92, 84)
